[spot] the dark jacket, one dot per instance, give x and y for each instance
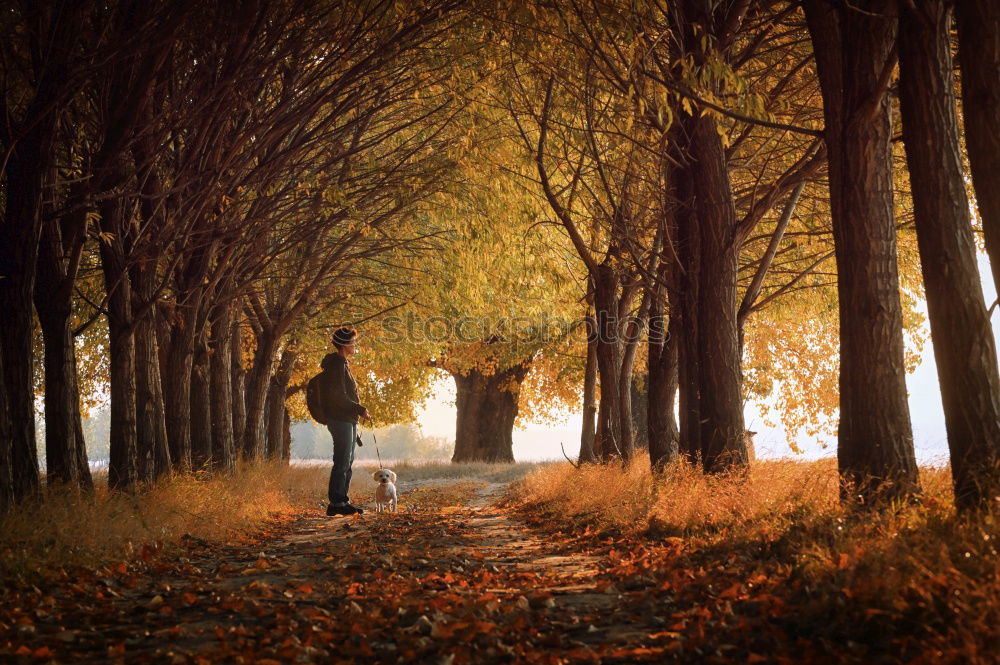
(338, 390)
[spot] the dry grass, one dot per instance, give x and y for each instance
(71, 529)
(916, 575)
(91, 530)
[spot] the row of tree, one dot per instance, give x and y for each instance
(216, 184)
(207, 178)
(667, 135)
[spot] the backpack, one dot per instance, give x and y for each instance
(314, 401)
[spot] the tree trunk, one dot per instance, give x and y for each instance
(221, 371)
(276, 411)
(62, 397)
(964, 348)
(177, 390)
(201, 406)
(151, 424)
(979, 58)
(661, 382)
(639, 396)
(286, 447)
(853, 47)
(630, 344)
(589, 432)
(257, 380)
(59, 255)
(720, 394)
(6, 477)
(123, 470)
(25, 171)
(486, 409)
(683, 297)
(608, 442)
(238, 380)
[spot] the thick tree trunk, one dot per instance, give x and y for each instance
(151, 424)
(123, 472)
(25, 171)
(630, 343)
(286, 448)
(720, 394)
(257, 381)
(176, 375)
(58, 259)
(683, 297)
(661, 377)
(964, 348)
(154, 449)
(639, 396)
(201, 406)
(853, 47)
(276, 411)
(608, 442)
(6, 477)
(979, 58)
(486, 410)
(238, 381)
(150, 344)
(221, 371)
(589, 432)
(62, 397)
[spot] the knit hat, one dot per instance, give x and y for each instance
(343, 336)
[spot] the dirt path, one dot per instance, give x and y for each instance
(453, 579)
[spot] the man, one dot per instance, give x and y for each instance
(339, 394)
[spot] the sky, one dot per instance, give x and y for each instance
(537, 442)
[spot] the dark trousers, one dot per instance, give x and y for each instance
(343, 434)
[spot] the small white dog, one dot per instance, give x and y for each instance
(385, 493)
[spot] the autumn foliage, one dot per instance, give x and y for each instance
(774, 551)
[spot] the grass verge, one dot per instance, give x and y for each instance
(774, 547)
(68, 529)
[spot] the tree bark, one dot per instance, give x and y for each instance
(238, 380)
(151, 424)
(123, 470)
(276, 411)
(853, 48)
(683, 295)
(62, 398)
(979, 59)
(662, 377)
(20, 232)
(6, 476)
(486, 409)
(640, 410)
(720, 395)
(177, 390)
(608, 442)
(201, 406)
(964, 348)
(58, 258)
(589, 432)
(630, 344)
(221, 371)
(257, 380)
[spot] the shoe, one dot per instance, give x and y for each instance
(342, 509)
(357, 510)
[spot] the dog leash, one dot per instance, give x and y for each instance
(377, 453)
(357, 439)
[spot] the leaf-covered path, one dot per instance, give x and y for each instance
(454, 578)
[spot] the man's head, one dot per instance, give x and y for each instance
(343, 340)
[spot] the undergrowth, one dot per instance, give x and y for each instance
(914, 582)
(68, 529)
